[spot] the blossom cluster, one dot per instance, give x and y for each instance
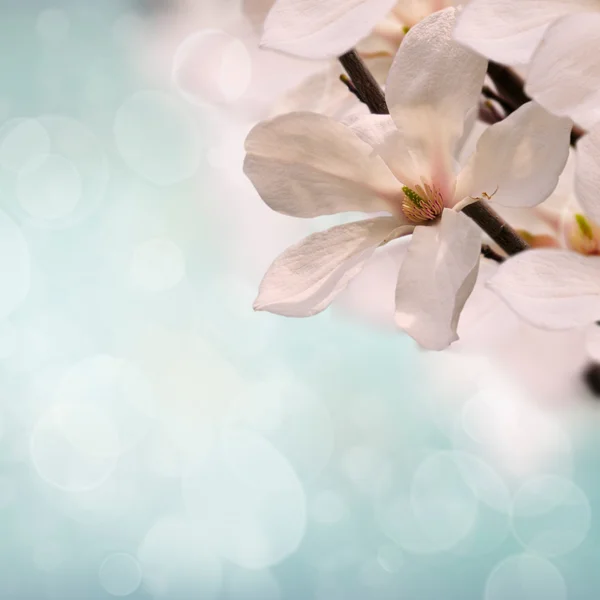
(485, 104)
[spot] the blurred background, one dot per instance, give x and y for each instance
(158, 439)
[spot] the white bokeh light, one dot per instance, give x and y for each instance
(49, 187)
(157, 138)
(525, 577)
(551, 516)
(256, 509)
(15, 266)
(292, 417)
(23, 140)
(442, 501)
(74, 447)
(446, 506)
(120, 574)
(212, 67)
(177, 562)
(157, 265)
(120, 389)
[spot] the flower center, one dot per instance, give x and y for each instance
(423, 203)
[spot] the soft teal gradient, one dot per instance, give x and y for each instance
(158, 439)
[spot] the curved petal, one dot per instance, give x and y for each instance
(372, 129)
(436, 278)
(304, 280)
(509, 31)
(587, 174)
(321, 29)
(306, 165)
(565, 71)
(519, 160)
(551, 289)
(433, 84)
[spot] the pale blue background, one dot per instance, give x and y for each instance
(144, 407)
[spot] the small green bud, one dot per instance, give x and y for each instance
(584, 226)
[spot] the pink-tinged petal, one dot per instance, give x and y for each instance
(518, 160)
(551, 289)
(432, 87)
(321, 28)
(304, 280)
(436, 278)
(565, 71)
(307, 165)
(587, 174)
(509, 31)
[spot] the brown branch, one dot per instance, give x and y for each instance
(363, 81)
(508, 84)
(496, 227)
(487, 219)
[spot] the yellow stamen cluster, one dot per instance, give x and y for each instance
(423, 203)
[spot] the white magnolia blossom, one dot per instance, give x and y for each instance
(402, 169)
(560, 288)
(328, 28)
(558, 39)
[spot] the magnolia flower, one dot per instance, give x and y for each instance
(307, 165)
(558, 38)
(560, 288)
(328, 28)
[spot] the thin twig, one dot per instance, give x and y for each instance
(488, 252)
(369, 90)
(489, 114)
(490, 94)
(348, 83)
(487, 219)
(508, 84)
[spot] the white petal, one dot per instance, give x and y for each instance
(432, 86)
(587, 174)
(436, 279)
(565, 71)
(321, 92)
(321, 28)
(509, 31)
(304, 280)
(372, 129)
(520, 158)
(306, 165)
(552, 289)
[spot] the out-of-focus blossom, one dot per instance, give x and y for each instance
(318, 29)
(558, 39)
(560, 288)
(306, 165)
